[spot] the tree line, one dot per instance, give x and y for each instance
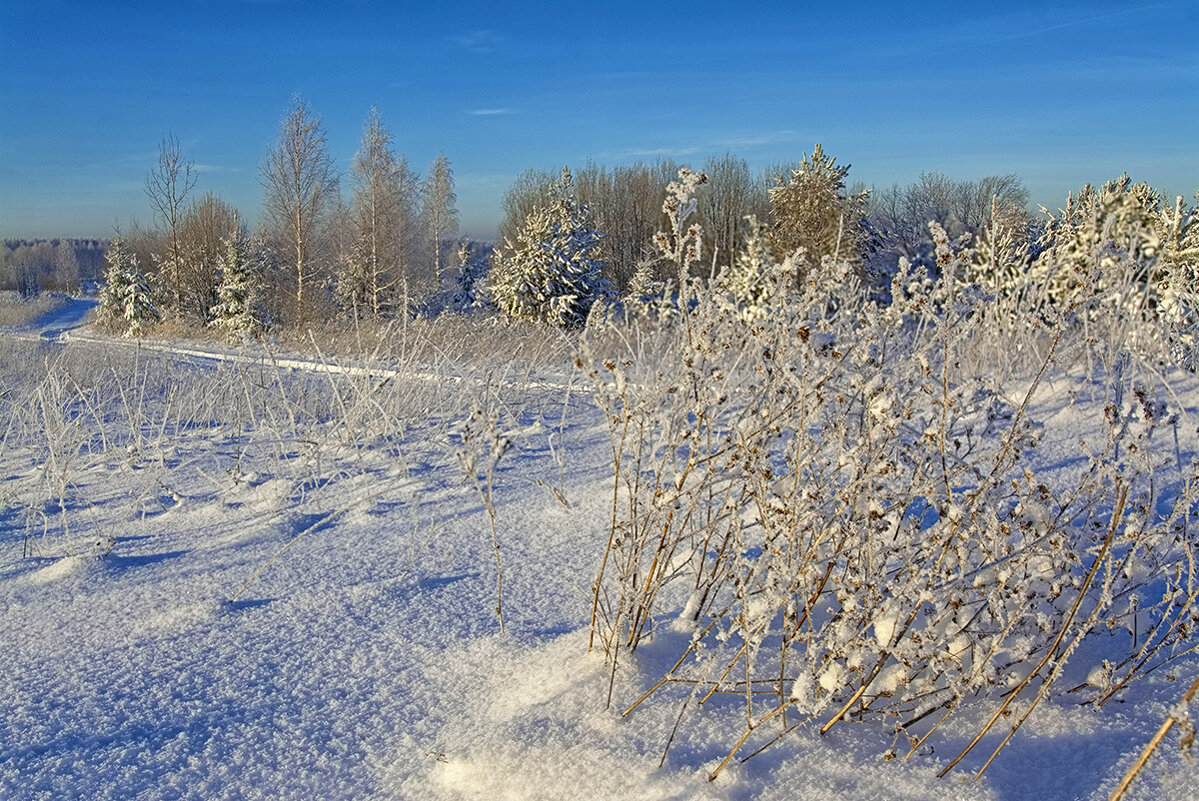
(382, 240)
(38, 265)
(805, 211)
(315, 252)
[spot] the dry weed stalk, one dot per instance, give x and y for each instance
(1177, 715)
(828, 498)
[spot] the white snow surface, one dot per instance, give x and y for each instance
(366, 662)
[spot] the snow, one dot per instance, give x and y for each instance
(365, 660)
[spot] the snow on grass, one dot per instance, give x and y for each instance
(365, 661)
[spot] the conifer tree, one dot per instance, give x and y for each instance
(472, 273)
(552, 272)
(125, 302)
(812, 211)
(236, 314)
(753, 277)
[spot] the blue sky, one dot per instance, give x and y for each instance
(1059, 93)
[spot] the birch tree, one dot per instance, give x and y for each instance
(299, 186)
(440, 212)
(381, 216)
(167, 186)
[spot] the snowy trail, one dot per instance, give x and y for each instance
(55, 324)
(67, 317)
(65, 325)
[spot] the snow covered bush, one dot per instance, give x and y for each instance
(126, 304)
(836, 508)
(551, 274)
(1119, 252)
(1178, 289)
(238, 315)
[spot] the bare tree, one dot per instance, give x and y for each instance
(66, 267)
(203, 229)
(167, 185)
(725, 203)
(299, 186)
(625, 203)
(440, 212)
(530, 189)
(902, 213)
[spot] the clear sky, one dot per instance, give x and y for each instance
(1059, 93)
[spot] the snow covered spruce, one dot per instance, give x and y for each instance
(126, 304)
(551, 273)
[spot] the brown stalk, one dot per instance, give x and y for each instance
(740, 742)
(1152, 745)
(667, 677)
(611, 535)
(1049, 654)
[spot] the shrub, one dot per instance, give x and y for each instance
(835, 507)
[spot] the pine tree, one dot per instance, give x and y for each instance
(472, 274)
(125, 302)
(1179, 280)
(551, 273)
(647, 296)
(754, 278)
(812, 211)
(236, 314)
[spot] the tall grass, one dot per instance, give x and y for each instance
(78, 410)
(18, 311)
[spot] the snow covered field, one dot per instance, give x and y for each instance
(235, 580)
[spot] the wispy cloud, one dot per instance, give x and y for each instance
(203, 168)
(489, 112)
(1028, 32)
(479, 41)
(758, 140)
(652, 152)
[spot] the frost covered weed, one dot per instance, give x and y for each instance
(481, 445)
(833, 498)
(70, 418)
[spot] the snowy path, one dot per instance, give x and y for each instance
(67, 317)
(66, 325)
